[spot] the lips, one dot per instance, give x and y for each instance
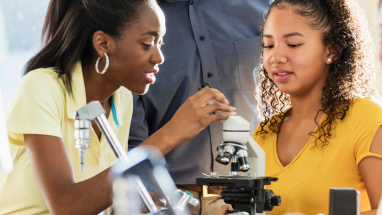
(150, 76)
(281, 75)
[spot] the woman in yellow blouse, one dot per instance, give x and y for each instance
(94, 50)
(322, 119)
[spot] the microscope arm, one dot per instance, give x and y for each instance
(256, 158)
(94, 110)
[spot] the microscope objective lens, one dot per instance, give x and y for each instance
(227, 157)
(235, 167)
(243, 162)
(219, 159)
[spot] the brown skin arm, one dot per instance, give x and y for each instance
(223, 209)
(54, 175)
(53, 171)
(190, 119)
(371, 172)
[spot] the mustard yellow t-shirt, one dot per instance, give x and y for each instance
(41, 105)
(304, 184)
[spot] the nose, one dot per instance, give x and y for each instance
(157, 57)
(278, 55)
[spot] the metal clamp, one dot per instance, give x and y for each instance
(82, 136)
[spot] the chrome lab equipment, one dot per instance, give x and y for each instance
(94, 111)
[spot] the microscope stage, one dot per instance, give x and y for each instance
(238, 181)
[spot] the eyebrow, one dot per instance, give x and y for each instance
(151, 33)
(285, 36)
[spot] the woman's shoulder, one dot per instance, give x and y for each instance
(366, 105)
(39, 84)
(366, 109)
(40, 79)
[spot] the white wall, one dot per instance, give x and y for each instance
(371, 9)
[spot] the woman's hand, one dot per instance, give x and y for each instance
(158, 201)
(224, 208)
(195, 115)
(190, 119)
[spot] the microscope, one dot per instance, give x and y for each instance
(244, 186)
(127, 173)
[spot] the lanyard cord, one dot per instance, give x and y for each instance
(114, 111)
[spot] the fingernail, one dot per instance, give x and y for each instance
(226, 100)
(233, 113)
(233, 108)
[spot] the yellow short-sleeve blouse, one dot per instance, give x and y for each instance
(304, 184)
(41, 105)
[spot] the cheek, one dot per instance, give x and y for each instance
(267, 63)
(300, 59)
(305, 62)
(267, 60)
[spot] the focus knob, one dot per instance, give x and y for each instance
(271, 200)
(275, 200)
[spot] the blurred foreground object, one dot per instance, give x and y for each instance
(126, 178)
(148, 164)
(344, 201)
(6, 162)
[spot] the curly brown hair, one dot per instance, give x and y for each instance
(352, 74)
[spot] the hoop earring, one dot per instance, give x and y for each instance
(106, 66)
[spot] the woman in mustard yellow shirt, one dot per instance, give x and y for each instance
(94, 50)
(322, 118)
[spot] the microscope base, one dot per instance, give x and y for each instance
(245, 193)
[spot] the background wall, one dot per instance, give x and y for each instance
(21, 22)
(371, 9)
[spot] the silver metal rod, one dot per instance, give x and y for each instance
(119, 151)
(147, 201)
(106, 129)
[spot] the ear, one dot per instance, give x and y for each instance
(103, 43)
(333, 52)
